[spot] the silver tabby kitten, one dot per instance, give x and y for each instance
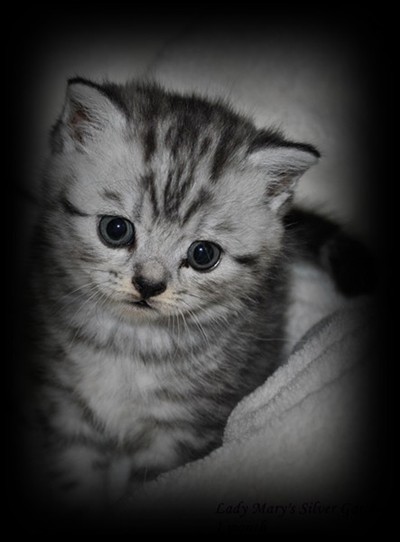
(159, 280)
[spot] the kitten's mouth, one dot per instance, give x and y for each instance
(142, 304)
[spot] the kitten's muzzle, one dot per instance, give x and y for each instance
(148, 288)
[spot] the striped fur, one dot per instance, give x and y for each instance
(125, 392)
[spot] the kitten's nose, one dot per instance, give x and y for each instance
(147, 288)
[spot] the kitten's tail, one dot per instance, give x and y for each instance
(319, 239)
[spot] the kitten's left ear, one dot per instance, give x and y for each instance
(88, 111)
(283, 163)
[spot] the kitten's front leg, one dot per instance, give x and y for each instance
(77, 477)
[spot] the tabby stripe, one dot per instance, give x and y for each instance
(202, 199)
(70, 208)
(88, 257)
(77, 334)
(72, 441)
(169, 134)
(205, 145)
(176, 145)
(149, 143)
(149, 182)
(188, 182)
(169, 200)
(101, 445)
(87, 414)
(223, 151)
(113, 196)
(49, 382)
(179, 172)
(247, 259)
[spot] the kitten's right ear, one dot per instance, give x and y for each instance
(282, 162)
(87, 113)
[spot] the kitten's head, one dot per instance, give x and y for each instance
(165, 204)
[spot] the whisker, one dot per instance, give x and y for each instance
(62, 302)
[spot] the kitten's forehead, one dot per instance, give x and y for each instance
(170, 177)
(172, 194)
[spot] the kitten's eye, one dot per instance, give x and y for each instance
(203, 255)
(116, 231)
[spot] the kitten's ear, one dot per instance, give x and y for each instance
(88, 111)
(283, 163)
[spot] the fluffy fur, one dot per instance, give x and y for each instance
(124, 391)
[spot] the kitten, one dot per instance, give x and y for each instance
(159, 281)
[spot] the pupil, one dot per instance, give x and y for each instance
(116, 228)
(203, 254)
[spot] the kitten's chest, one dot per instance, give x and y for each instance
(126, 395)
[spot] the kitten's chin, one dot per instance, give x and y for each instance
(143, 311)
(138, 311)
